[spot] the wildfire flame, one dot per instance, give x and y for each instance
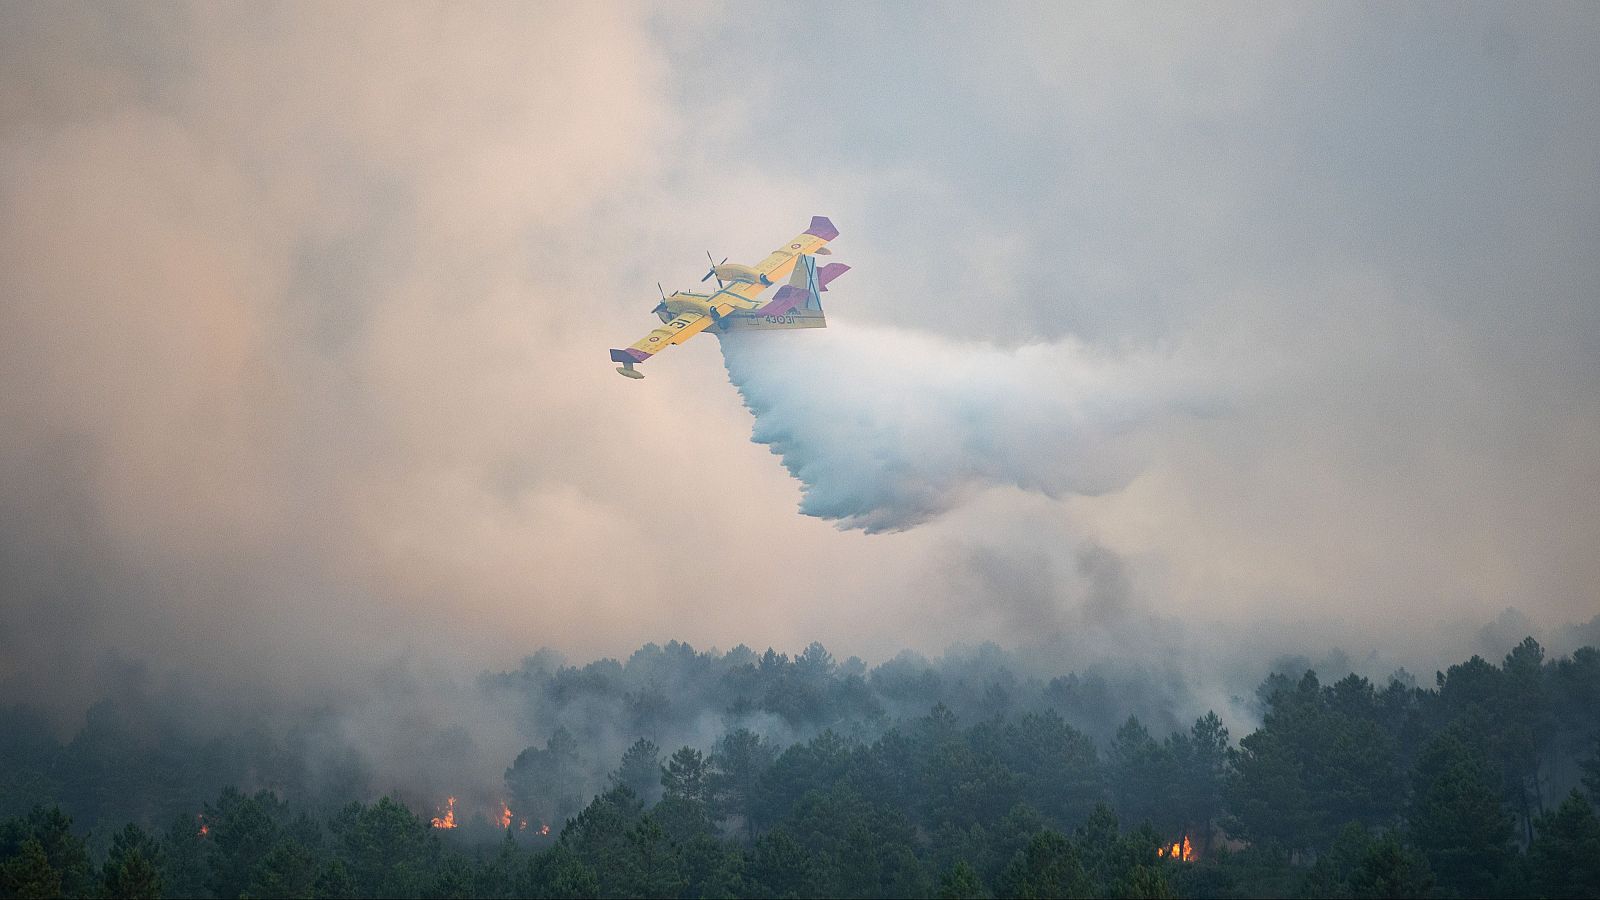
(204, 829)
(544, 830)
(505, 816)
(449, 820)
(1179, 851)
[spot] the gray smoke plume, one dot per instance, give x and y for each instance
(887, 429)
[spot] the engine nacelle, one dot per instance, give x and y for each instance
(733, 272)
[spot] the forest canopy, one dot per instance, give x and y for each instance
(679, 773)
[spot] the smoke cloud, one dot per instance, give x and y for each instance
(887, 429)
(303, 320)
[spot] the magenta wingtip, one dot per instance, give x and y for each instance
(822, 228)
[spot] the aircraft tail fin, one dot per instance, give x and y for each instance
(805, 286)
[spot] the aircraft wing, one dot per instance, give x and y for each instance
(680, 329)
(778, 264)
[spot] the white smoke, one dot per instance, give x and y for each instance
(886, 429)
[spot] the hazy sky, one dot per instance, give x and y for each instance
(304, 313)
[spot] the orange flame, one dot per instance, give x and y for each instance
(1179, 851)
(505, 816)
(204, 829)
(544, 830)
(449, 820)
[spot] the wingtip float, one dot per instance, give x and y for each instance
(736, 305)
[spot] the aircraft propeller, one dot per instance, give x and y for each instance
(712, 272)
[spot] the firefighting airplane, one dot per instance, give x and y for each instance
(734, 306)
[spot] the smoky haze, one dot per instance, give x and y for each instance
(1275, 324)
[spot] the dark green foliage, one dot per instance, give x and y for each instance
(652, 868)
(387, 849)
(1253, 871)
(1564, 858)
(640, 770)
(558, 872)
(626, 848)
(1361, 865)
(289, 869)
(43, 834)
(686, 776)
(1208, 878)
(133, 867)
(1057, 766)
(27, 748)
(1319, 760)
(1146, 778)
(546, 784)
(961, 883)
(863, 849)
(741, 759)
(799, 769)
(27, 873)
(1389, 869)
(334, 881)
(1047, 867)
(990, 785)
(186, 858)
(1201, 761)
(1457, 818)
(1591, 771)
(712, 868)
(1118, 863)
(779, 867)
(453, 877)
(242, 830)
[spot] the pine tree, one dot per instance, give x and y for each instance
(684, 776)
(640, 771)
(1048, 867)
(28, 873)
(133, 867)
(961, 883)
(1457, 817)
(741, 759)
(1565, 856)
(1389, 869)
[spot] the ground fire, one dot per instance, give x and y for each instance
(449, 819)
(1179, 851)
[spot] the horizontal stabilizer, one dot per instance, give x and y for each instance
(828, 273)
(629, 356)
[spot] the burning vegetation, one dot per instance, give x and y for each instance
(1180, 851)
(504, 818)
(448, 820)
